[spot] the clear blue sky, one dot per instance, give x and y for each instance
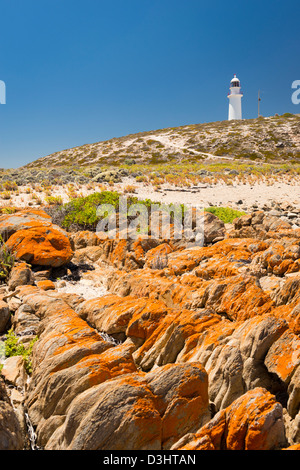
(79, 72)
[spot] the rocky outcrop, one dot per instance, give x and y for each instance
(147, 412)
(262, 225)
(73, 366)
(191, 347)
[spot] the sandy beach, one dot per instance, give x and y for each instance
(224, 195)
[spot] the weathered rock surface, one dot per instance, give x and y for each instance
(43, 246)
(137, 412)
(253, 422)
(11, 437)
(20, 275)
(4, 315)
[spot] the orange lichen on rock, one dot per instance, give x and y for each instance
(136, 411)
(11, 223)
(158, 257)
(44, 246)
(210, 341)
(113, 362)
(168, 339)
(284, 356)
(114, 314)
(198, 347)
(252, 422)
(46, 285)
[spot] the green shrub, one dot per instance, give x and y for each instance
(13, 348)
(81, 213)
(225, 213)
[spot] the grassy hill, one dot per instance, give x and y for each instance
(271, 140)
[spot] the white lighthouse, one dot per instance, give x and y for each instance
(235, 100)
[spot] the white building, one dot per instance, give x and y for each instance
(235, 100)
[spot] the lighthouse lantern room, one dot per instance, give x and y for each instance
(235, 99)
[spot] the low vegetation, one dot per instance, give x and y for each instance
(81, 212)
(15, 348)
(225, 213)
(7, 260)
(269, 139)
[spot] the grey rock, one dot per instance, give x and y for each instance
(4, 316)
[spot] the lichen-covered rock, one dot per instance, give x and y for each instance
(283, 357)
(26, 218)
(253, 422)
(116, 315)
(33, 238)
(182, 334)
(46, 285)
(137, 412)
(43, 246)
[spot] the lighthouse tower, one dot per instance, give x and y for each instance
(235, 100)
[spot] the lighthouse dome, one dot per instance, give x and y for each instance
(235, 82)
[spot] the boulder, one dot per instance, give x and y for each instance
(293, 405)
(14, 372)
(43, 246)
(25, 322)
(20, 275)
(33, 238)
(258, 224)
(283, 357)
(46, 285)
